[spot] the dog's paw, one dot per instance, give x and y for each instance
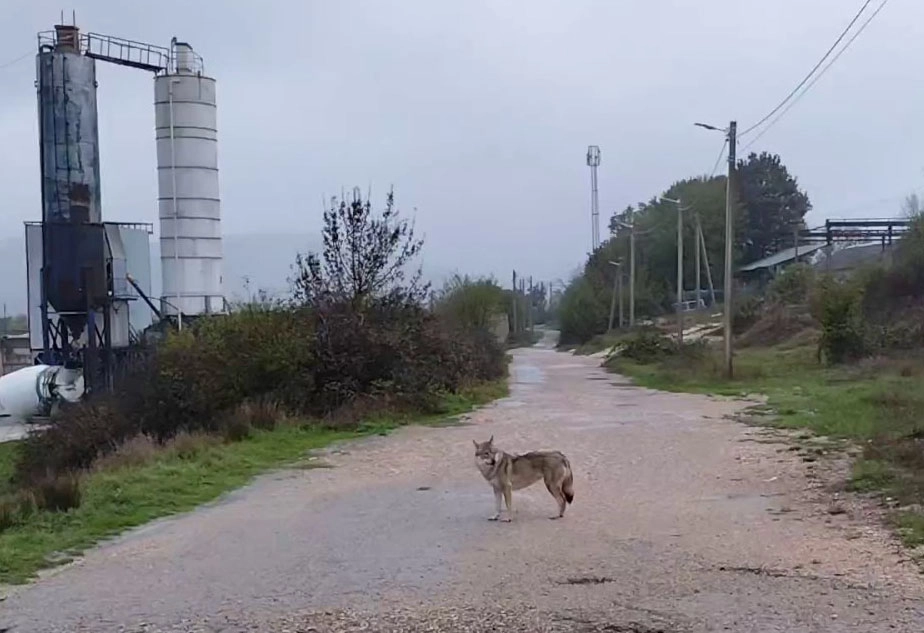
(506, 519)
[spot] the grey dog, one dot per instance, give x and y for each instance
(506, 473)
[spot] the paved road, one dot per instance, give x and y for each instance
(683, 521)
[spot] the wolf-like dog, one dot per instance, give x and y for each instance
(506, 473)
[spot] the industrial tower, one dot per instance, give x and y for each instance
(593, 161)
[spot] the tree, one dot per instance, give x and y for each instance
(773, 205)
(366, 256)
(912, 206)
(472, 303)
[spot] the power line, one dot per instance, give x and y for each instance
(811, 72)
(718, 160)
(820, 74)
(17, 60)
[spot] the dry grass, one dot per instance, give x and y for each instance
(781, 324)
(137, 451)
(185, 445)
(57, 493)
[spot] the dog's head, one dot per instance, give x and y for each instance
(484, 452)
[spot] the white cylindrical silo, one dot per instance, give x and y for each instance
(187, 183)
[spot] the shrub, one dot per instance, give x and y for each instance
(646, 346)
(188, 445)
(76, 437)
(746, 312)
(793, 285)
(357, 330)
(9, 513)
(471, 303)
(135, 451)
(836, 306)
(57, 493)
(582, 313)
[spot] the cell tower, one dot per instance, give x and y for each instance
(593, 161)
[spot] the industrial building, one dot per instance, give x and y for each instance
(89, 280)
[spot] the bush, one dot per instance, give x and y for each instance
(746, 312)
(582, 314)
(471, 303)
(357, 330)
(646, 346)
(231, 374)
(837, 307)
(16, 508)
(791, 286)
(57, 493)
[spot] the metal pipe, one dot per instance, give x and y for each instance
(176, 212)
(147, 299)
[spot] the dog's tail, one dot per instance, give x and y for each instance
(567, 485)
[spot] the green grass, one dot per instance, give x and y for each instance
(878, 404)
(8, 452)
(119, 498)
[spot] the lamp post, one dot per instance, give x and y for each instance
(731, 133)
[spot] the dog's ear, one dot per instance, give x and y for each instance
(475, 443)
(491, 441)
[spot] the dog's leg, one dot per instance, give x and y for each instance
(497, 505)
(556, 493)
(508, 498)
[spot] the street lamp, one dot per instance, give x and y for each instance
(731, 133)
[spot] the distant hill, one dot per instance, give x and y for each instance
(265, 260)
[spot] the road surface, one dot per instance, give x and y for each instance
(683, 521)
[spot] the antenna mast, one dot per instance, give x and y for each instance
(593, 161)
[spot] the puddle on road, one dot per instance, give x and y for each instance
(528, 375)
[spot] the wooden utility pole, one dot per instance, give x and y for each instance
(609, 328)
(696, 253)
(679, 271)
(729, 243)
(622, 321)
(513, 301)
(631, 270)
(702, 243)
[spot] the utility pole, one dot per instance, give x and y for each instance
(609, 328)
(679, 204)
(696, 253)
(702, 243)
(514, 303)
(631, 271)
(619, 276)
(729, 241)
(679, 273)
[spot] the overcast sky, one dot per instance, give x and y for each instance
(480, 111)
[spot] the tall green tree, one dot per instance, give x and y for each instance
(773, 205)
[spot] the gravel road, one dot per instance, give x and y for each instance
(683, 521)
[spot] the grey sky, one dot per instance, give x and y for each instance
(480, 111)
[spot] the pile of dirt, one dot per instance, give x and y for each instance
(781, 324)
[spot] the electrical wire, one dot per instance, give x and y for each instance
(17, 60)
(811, 72)
(718, 160)
(819, 75)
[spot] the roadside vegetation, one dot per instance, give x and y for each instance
(839, 356)
(771, 204)
(355, 351)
